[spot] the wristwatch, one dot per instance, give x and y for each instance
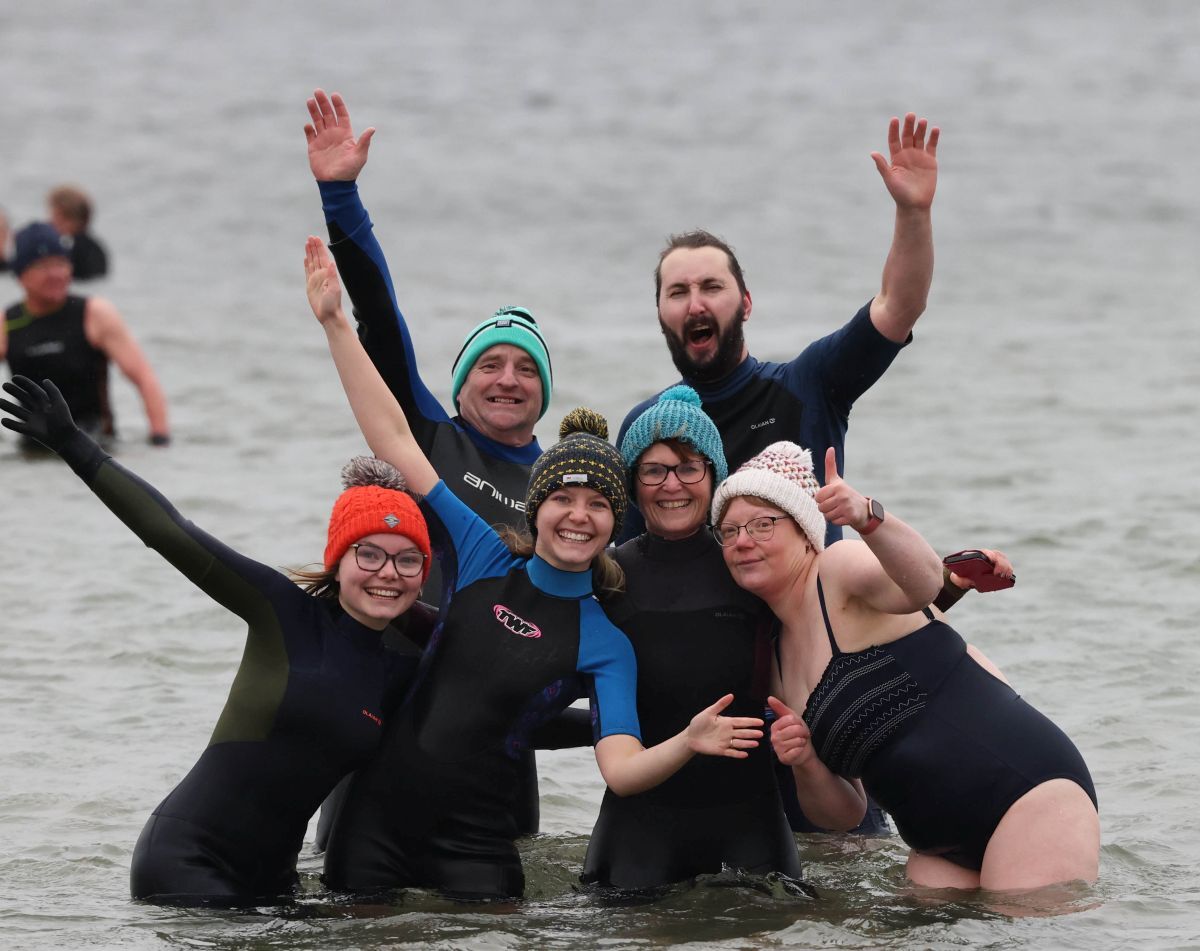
(874, 517)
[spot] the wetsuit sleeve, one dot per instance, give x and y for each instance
(477, 551)
(607, 658)
(847, 362)
(234, 581)
(570, 729)
(381, 326)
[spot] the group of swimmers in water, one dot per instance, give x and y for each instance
(748, 672)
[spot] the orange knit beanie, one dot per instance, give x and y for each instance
(376, 500)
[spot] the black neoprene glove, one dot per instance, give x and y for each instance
(41, 413)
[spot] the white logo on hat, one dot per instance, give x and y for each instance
(391, 520)
(574, 477)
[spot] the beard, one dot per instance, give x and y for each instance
(728, 354)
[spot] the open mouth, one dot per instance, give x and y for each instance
(673, 504)
(700, 333)
(577, 538)
(384, 594)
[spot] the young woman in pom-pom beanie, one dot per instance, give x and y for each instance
(520, 637)
(315, 686)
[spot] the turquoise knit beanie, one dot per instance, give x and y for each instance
(676, 415)
(513, 325)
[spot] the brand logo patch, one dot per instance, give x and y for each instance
(372, 717)
(514, 622)
(573, 477)
(390, 520)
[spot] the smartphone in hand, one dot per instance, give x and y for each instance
(976, 566)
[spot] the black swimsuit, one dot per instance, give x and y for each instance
(939, 742)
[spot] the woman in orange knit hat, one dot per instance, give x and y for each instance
(315, 685)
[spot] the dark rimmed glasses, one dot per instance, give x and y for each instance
(689, 472)
(760, 529)
(408, 564)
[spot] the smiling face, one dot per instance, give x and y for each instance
(502, 395)
(701, 311)
(673, 510)
(375, 598)
(573, 527)
(766, 568)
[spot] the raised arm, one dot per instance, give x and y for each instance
(334, 154)
(379, 416)
(629, 768)
(904, 574)
(910, 174)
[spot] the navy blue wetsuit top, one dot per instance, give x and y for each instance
(308, 705)
(806, 400)
(518, 640)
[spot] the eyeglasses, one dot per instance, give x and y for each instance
(760, 529)
(408, 564)
(688, 472)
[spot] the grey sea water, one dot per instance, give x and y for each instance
(538, 153)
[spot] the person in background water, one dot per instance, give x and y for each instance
(703, 302)
(521, 634)
(53, 334)
(502, 382)
(985, 790)
(315, 687)
(70, 210)
(5, 233)
(696, 635)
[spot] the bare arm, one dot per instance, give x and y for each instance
(379, 416)
(911, 179)
(107, 332)
(827, 799)
(629, 768)
(896, 571)
(334, 154)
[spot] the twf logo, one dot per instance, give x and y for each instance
(514, 622)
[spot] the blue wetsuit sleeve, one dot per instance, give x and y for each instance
(231, 579)
(478, 550)
(381, 325)
(606, 656)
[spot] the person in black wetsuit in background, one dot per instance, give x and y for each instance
(70, 209)
(696, 634)
(315, 686)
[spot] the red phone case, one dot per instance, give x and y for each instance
(976, 566)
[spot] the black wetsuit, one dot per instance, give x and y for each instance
(942, 744)
(308, 705)
(518, 640)
(697, 636)
(488, 476)
(55, 347)
(89, 260)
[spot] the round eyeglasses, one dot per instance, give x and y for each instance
(408, 564)
(689, 472)
(760, 529)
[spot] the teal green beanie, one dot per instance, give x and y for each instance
(676, 415)
(513, 325)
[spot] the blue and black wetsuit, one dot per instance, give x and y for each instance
(308, 705)
(697, 636)
(488, 476)
(952, 749)
(55, 347)
(518, 640)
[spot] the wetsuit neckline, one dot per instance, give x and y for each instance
(719, 389)
(663, 549)
(555, 581)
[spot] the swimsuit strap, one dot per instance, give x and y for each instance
(825, 615)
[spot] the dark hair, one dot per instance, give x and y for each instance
(73, 202)
(608, 578)
(698, 239)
